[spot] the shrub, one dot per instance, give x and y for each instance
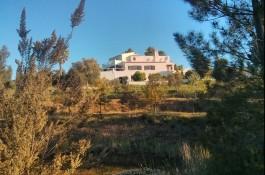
(239, 147)
(139, 76)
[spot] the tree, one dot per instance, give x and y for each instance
(179, 69)
(241, 38)
(189, 73)
(222, 71)
(5, 72)
(78, 15)
(174, 79)
(88, 71)
(162, 53)
(129, 50)
(199, 62)
(155, 78)
(150, 51)
(42, 55)
(195, 88)
(139, 76)
(131, 96)
(239, 146)
(72, 89)
(238, 34)
(155, 90)
(29, 143)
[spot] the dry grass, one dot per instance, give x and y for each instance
(140, 140)
(100, 171)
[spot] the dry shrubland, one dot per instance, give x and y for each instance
(29, 142)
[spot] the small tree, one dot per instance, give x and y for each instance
(155, 90)
(5, 72)
(199, 62)
(162, 53)
(72, 90)
(28, 140)
(123, 80)
(88, 71)
(139, 76)
(222, 71)
(155, 78)
(102, 91)
(174, 79)
(194, 89)
(150, 51)
(188, 74)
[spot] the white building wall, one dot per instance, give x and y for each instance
(162, 65)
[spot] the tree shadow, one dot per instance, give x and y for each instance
(144, 140)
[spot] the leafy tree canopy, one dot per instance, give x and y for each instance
(241, 37)
(87, 70)
(139, 76)
(129, 50)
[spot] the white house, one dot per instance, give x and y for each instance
(126, 64)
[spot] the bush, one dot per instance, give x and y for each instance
(193, 90)
(139, 76)
(235, 136)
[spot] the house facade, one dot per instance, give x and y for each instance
(126, 64)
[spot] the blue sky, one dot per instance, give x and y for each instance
(110, 26)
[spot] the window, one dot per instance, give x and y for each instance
(149, 67)
(134, 67)
(169, 67)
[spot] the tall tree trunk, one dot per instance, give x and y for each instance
(60, 70)
(258, 8)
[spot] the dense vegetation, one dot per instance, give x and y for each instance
(209, 120)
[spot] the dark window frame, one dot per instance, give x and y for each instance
(135, 67)
(150, 67)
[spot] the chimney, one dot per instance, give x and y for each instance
(156, 55)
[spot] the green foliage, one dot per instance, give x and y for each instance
(174, 79)
(123, 80)
(131, 96)
(192, 90)
(235, 131)
(102, 91)
(155, 90)
(194, 77)
(179, 69)
(188, 74)
(222, 71)
(155, 78)
(196, 87)
(235, 135)
(162, 53)
(150, 51)
(139, 76)
(238, 33)
(198, 60)
(129, 50)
